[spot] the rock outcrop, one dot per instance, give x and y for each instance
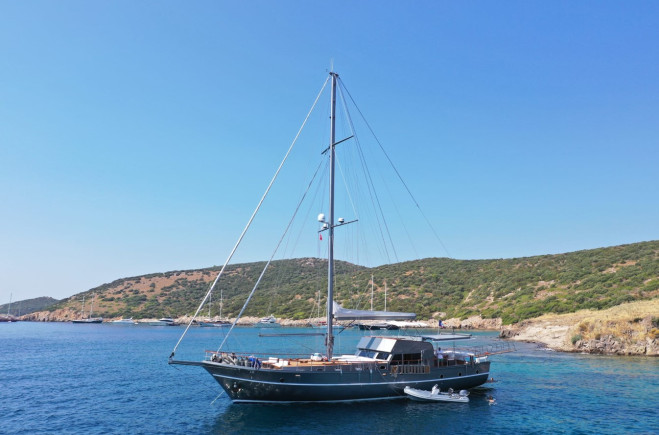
(627, 329)
(610, 345)
(61, 315)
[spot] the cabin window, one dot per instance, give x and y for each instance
(383, 355)
(366, 353)
(406, 358)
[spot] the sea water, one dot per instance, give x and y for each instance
(104, 378)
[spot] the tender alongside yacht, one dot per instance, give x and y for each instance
(436, 395)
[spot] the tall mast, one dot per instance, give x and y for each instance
(330, 259)
(371, 292)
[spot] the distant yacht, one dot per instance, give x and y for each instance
(218, 324)
(8, 318)
(377, 326)
(89, 319)
(164, 321)
(268, 322)
(128, 321)
(214, 323)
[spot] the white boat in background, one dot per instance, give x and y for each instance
(165, 321)
(213, 324)
(128, 321)
(436, 395)
(268, 322)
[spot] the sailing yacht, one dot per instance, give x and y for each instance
(380, 368)
(378, 326)
(210, 323)
(89, 319)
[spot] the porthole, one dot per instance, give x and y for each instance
(459, 373)
(441, 376)
(477, 371)
(281, 380)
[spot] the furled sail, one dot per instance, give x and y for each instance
(341, 313)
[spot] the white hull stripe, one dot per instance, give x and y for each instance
(350, 384)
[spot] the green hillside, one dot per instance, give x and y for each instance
(19, 308)
(513, 289)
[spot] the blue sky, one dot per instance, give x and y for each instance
(137, 137)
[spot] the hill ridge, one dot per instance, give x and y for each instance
(513, 289)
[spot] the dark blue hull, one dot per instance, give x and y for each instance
(339, 383)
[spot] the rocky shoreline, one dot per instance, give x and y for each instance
(474, 322)
(559, 338)
(627, 329)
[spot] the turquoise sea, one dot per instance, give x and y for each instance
(66, 378)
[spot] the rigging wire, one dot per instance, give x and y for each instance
(294, 242)
(249, 223)
(395, 169)
(370, 184)
(311, 202)
(402, 221)
(352, 204)
(218, 396)
(258, 281)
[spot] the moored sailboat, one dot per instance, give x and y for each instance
(88, 319)
(212, 323)
(381, 367)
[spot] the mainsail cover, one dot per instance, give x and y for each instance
(341, 313)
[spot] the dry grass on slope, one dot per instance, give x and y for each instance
(629, 328)
(633, 320)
